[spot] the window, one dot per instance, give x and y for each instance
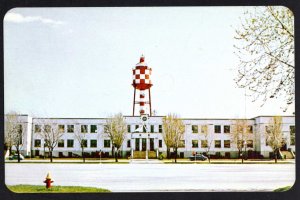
(84, 129)
(181, 144)
(292, 129)
(204, 129)
(204, 144)
(106, 143)
(160, 128)
(70, 128)
(47, 128)
(61, 143)
(226, 129)
(195, 128)
(93, 143)
(128, 143)
(137, 127)
(70, 143)
(152, 128)
(250, 143)
(61, 128)
(84, 143)
(240, 144)
(144, 129)
(250, 129)
(226, 143)
(20, 131)
(160, 143)
(93, 128)
(292, 137)
(37, 128)
(128, 129)
(37, 143)
(195, 143)
(217, 129)
(46, 143)
(217, 143)
(20, 128)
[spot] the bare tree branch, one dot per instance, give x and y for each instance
(116, 130)
(173, 131)
(265, 48)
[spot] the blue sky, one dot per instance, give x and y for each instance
(77, 62)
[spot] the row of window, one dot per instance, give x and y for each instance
(195, 128)
(144, 129)
(292, 132)
(195, 143)
(93, 128)
(217, 129)
(70, 143)
(63, 128)
(217, 143)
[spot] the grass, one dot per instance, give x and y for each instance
(283, 189)
(54, 189)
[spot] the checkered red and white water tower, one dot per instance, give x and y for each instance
(142, 82)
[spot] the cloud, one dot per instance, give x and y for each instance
(18, 18)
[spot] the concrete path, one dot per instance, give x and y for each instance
(144, 161)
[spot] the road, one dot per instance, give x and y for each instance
(156, 177)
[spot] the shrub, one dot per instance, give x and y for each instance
(161, 157)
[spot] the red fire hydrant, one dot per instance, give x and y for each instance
(48, 181)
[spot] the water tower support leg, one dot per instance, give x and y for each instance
(133, 102)
(150, 102)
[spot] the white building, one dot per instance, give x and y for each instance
(150, 139)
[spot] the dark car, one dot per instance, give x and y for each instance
(198, 157)
(15, 157)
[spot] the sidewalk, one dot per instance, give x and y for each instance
(70, 160)
(231, 161)
(146, 161)
(153, 161)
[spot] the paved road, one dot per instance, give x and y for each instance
(157, 177)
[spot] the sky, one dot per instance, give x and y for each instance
(77, 62)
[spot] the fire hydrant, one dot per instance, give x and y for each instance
(48, 181)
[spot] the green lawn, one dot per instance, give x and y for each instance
(54, 189)
(283, 189)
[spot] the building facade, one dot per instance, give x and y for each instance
(147, 141)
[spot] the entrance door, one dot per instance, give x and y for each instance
(144, 145)
(137, 144)
(283, 145)
(151, 144)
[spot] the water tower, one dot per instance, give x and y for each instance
(142, 82)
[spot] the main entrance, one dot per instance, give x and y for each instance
(144, 147)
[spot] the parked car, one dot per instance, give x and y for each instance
(198, 157)
(15, 157)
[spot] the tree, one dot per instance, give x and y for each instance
(173, 130)
(13, 133)
(10, 130)
(240, 133)
(208, 138)
(51, 136)
(265, 48)
(116, 130)
(274, 135)
(80, 135)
